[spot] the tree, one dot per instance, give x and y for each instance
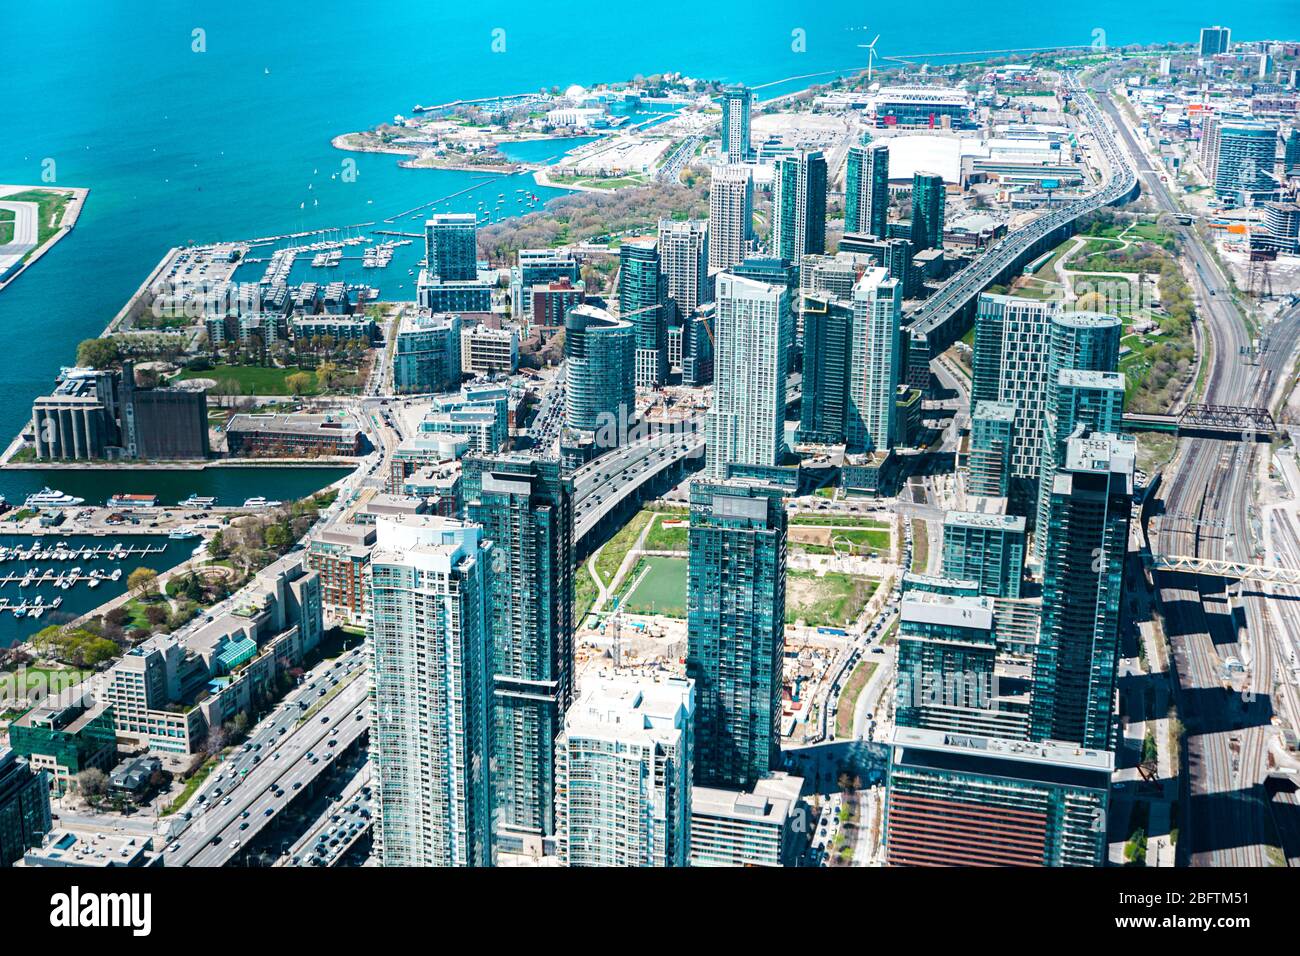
(92, 782)
(216, 740)
(76, 646)
(325, 373)
(142, 582)
(217, 546)
(98, 353)
(116, 616)
(278, 537)
(236, 728)
(155, 614)
(298, 383)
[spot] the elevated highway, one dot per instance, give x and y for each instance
(606, 488)
(282, 773)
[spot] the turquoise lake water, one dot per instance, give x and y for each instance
(79, 598)
(179, 146)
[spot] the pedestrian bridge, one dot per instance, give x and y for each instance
(1213, 567)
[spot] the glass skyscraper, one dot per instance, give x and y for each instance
(875, 361)
(746, 421)
(866, 190)
(643, 299)
(525, 506)
(736, 629)
(737, 102)
(599, 353)
(1083, 587)
(823, 410)
(928, 193)
(799, 205)
(985, 547)
(24, 807)
(1076, 342)
(991, 440)
(1081, 399)
(451, 246)
(1010, 367)
(1215, 40)
(430, 693)
(1245, 157)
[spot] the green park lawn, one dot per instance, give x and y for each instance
(252, 379)
(658, 586)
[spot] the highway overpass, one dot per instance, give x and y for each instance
(609, 487)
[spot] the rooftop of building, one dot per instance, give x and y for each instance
(423, 320)
(295, 423)
(770, 801)
(631, 708)
(950, 610)
(67, 848)
(995, 411)
(1086, 320)
(1101, 452)
(592, 318)
(872, 279)
(922, 94)
(989, 513)
(1087, 378)
(1044, 752)
(405, 539)
(452, 219)
(386, 503)
(937, 580)
(330, 319)
(67, 718)
(346, 534)
(135, 774)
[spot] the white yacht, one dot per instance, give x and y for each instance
(259, 502)
(49, 498)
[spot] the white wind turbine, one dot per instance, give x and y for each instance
(871, 55)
